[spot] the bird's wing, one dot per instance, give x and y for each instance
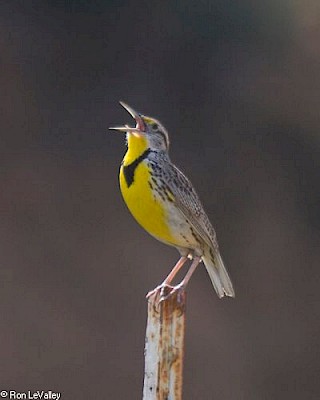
(188, 202)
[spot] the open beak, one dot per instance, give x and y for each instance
(140, 126)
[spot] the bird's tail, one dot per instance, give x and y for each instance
(218, 273)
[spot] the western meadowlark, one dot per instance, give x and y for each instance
(163, 201)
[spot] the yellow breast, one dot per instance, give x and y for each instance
(146, 207)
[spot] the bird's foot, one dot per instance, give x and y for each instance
(177, 290)
(161, 291)
(164, 291)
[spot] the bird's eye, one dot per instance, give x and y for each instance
(155, 127)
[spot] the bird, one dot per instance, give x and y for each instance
(164, 202)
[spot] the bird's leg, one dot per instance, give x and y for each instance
(175, 270)
(183, 284)
(165, 285)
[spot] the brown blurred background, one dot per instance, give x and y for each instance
(237, 84)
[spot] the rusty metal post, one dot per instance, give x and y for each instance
(164, 348)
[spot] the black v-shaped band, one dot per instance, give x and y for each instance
(129, 170)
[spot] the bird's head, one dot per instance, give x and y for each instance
(147, 130)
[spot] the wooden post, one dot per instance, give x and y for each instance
(164, 347)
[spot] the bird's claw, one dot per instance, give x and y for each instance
(164, 291)
(161, 292)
